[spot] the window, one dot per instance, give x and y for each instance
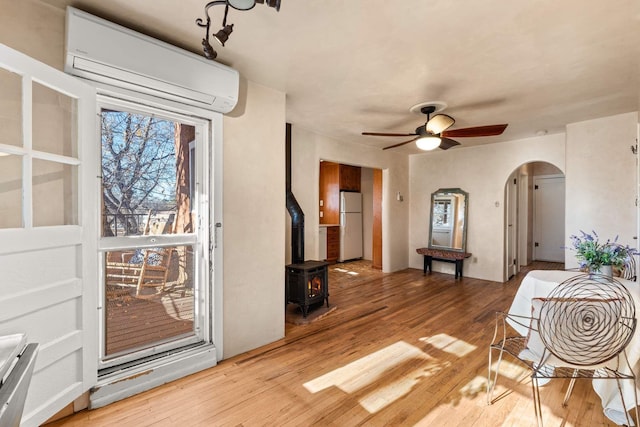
(442, 212)
(38, 173)
(154, 241)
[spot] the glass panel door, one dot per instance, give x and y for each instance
(153, 229)
(48, 227)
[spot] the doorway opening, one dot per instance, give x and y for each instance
(534, 216)
(350, 233)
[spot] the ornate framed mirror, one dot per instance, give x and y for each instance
(448, 225)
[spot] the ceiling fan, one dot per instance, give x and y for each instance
(434, 133)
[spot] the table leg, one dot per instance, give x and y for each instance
(459, 268)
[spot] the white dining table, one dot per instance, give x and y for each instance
(538, 284)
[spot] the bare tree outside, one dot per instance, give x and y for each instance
(147, 185)
(138, 170)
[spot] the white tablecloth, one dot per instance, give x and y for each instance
(539, 283)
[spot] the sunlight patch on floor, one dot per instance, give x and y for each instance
(510, 370)
(450, 344)
(474, 391)
(475, 387)
(383, 396)
(385, 366)
(525, 416)
(344, 270)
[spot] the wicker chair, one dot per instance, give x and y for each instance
(580, 330)
(148, 267)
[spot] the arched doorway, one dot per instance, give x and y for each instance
(534, 216)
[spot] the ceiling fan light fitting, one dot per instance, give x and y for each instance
(439, 123)
(435, 132)
(428, 143)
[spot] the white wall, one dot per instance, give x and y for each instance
(482, 172)
(601, 179)
(34, 28)
(307, 150)
(254, 200)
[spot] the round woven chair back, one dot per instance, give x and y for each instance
(587, 320)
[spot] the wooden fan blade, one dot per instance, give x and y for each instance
(491, 130)
(446, 143)
(399, 144)
(387, 134)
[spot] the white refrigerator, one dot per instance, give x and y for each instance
(350, 226)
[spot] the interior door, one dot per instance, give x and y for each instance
(548, 223)
(512, 225)
(376, 252)
(47, 227)
(524, 241)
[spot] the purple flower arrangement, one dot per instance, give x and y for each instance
(592, 254)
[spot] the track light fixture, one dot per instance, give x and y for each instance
(223, 35)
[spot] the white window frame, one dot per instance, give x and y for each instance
(120, 384)
(198, 239)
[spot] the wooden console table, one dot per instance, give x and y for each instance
(443, 255)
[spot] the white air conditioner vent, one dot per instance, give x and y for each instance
(105, 52)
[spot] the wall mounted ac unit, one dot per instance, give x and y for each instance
(105, 52)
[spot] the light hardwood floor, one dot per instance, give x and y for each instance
(401, 349)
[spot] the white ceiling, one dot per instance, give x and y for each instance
(349, 66)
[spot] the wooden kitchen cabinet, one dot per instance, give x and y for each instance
(329, 193)
(350, 177)
(333, 244)
(334, 178)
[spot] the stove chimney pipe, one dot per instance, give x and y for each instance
(297, 216)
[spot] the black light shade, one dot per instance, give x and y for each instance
(209, 51)
(271, 3)
(223, 35)
(274, 3)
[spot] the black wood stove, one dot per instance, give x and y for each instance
(307, 283)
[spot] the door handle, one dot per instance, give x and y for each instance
(215, 234)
